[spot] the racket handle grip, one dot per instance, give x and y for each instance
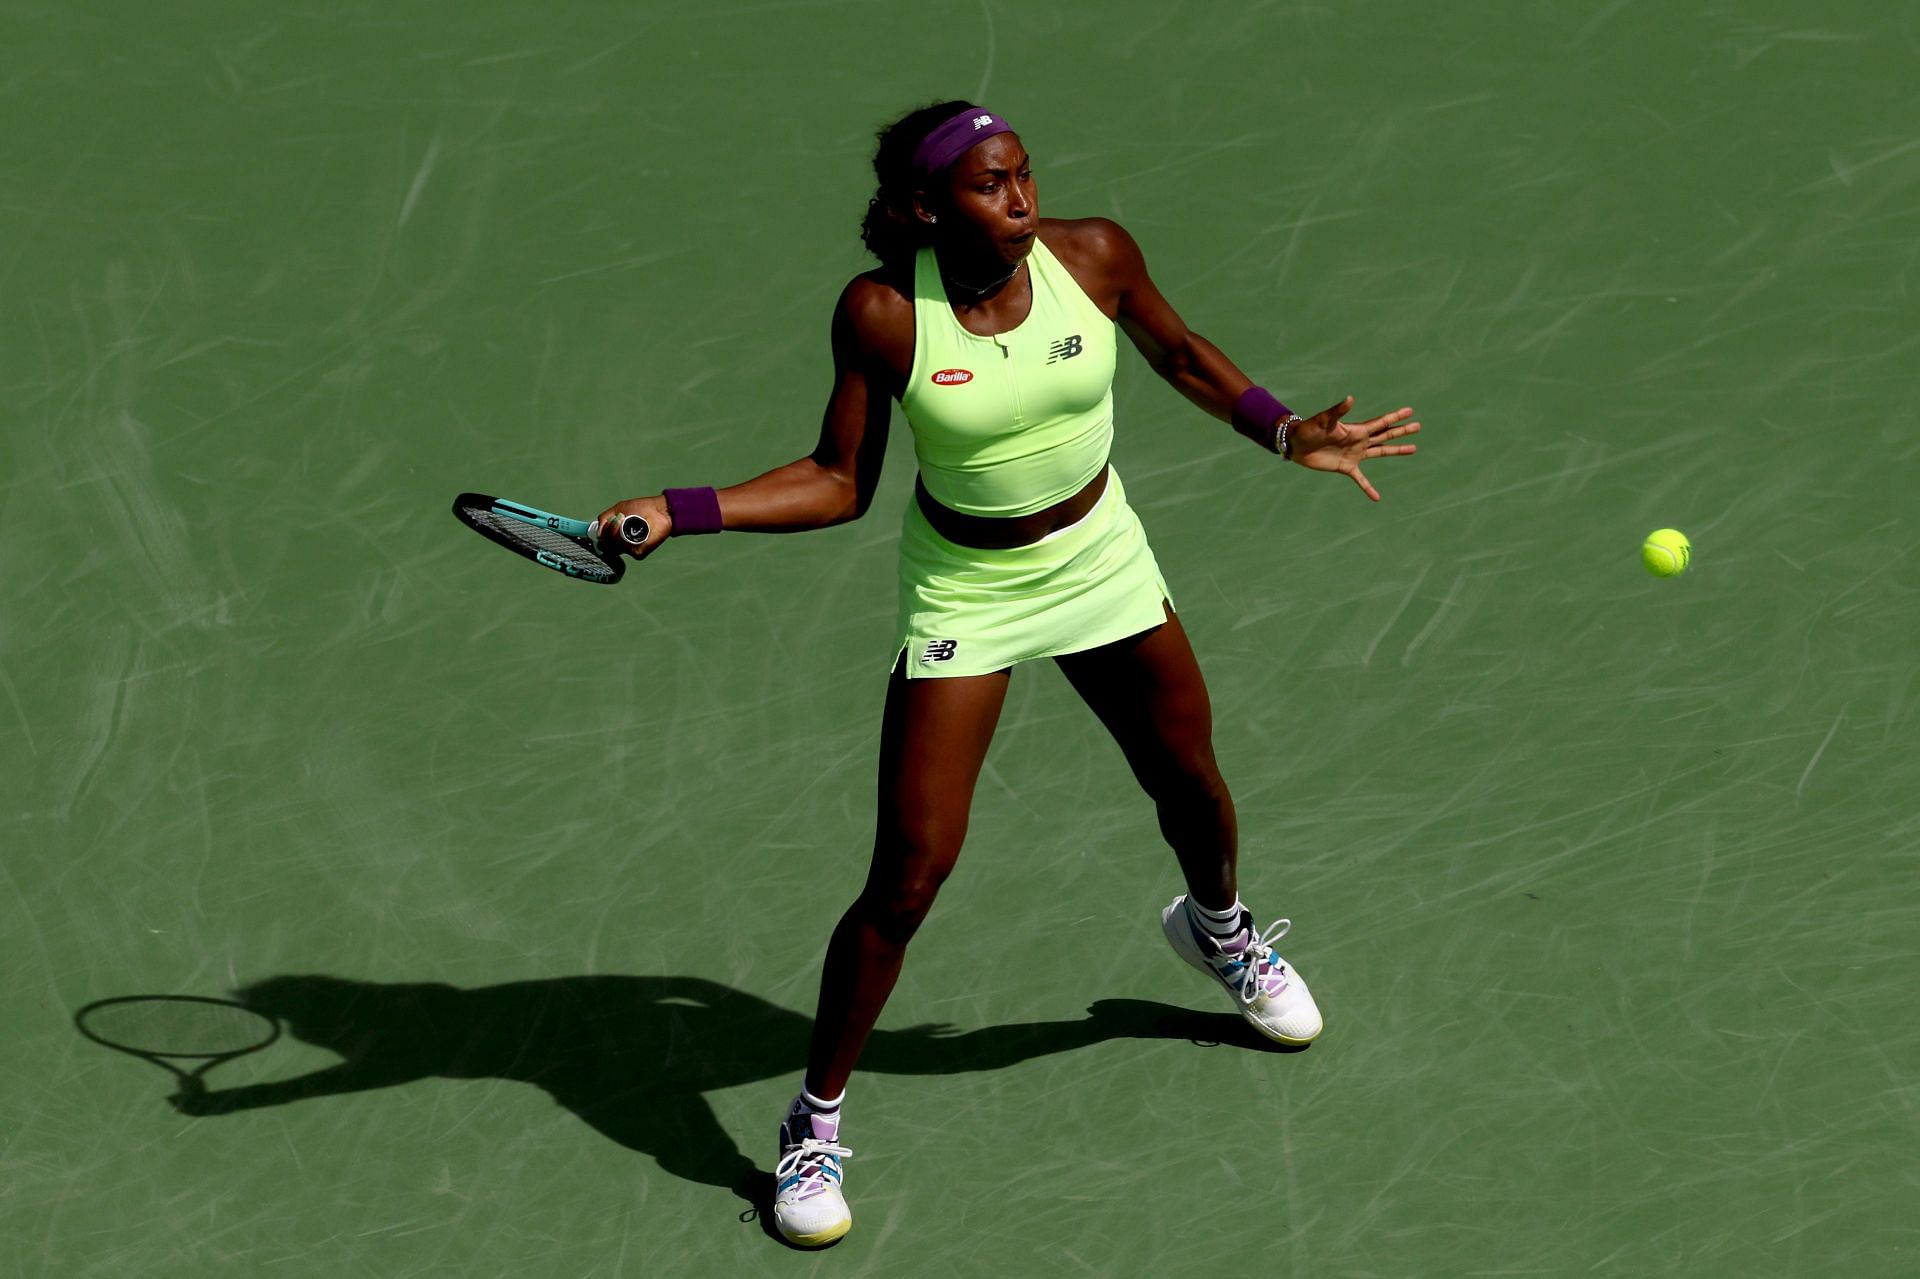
(633, 530)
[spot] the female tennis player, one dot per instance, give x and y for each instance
(995, 330)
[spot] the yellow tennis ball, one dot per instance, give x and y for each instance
(1666, 552)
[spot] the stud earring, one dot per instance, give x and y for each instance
(932, 218)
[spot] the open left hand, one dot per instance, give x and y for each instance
(1325, 443)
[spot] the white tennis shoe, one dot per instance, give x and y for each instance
(1265, 988)
(807, 1204)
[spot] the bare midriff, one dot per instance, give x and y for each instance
(1001, 532)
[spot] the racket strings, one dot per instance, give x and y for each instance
(179, 1027)
(539, 538)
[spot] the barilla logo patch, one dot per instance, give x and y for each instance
(952, 377)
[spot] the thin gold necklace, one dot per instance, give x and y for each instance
(984, 289)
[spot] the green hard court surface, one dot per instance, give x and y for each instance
(1606, 884)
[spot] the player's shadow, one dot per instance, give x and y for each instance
(633, 1056)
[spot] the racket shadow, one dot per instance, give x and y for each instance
(633, 1057)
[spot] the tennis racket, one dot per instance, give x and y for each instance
(192, 1028)
(566, 546)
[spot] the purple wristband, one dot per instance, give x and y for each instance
(1257, 415)
(694, 510)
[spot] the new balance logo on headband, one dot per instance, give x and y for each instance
(955, 136)
(1065, 349)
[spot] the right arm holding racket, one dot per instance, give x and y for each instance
(835, 483)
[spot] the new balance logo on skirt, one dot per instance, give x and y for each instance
(938, 651)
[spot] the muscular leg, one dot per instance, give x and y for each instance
(933, 739)
(1148, 691)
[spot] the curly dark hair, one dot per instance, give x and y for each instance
(890, 231)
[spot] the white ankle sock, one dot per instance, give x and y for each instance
(1218, 924)
(817, 1105)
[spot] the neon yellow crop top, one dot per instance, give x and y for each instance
(1010, 424)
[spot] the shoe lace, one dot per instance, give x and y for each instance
(815, 1163)
(1258, 960)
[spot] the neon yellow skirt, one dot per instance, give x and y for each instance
(968, 610)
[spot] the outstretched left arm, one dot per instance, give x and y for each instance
(1200, 371)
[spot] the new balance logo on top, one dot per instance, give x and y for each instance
(938, 651)
(1064, 349)
(982, 121)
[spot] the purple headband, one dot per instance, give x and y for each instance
(954, 138)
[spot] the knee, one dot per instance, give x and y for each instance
(895, 902)
(896, 910)
(1187, 777)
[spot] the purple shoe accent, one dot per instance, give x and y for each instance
(809, 1163)
(1271, 978)
(1265, 988)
